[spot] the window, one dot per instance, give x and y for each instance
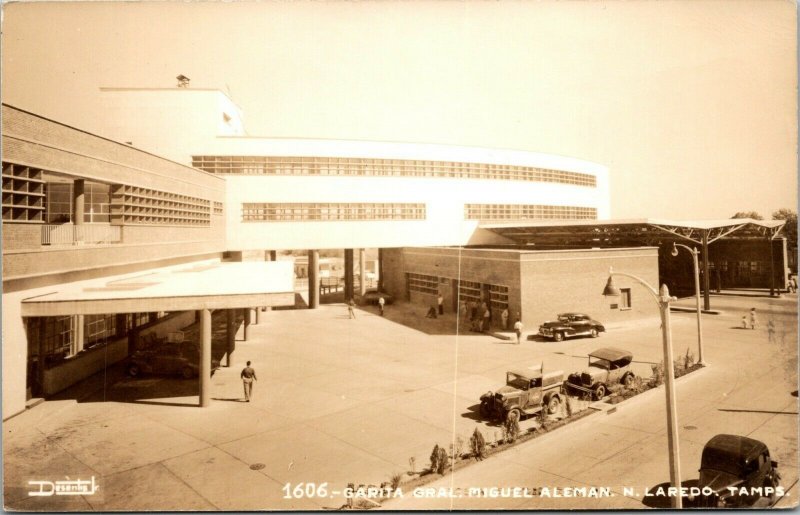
(420, 283)
(625, 298)
(288, 165)
(262, 212)
(530, 211)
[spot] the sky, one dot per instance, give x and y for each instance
(691, 104)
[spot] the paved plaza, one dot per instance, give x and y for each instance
(342, 400)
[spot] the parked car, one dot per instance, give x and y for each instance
(607, 366)
(526, 392)
(372, 296)
(569, 325)
(739, 472)
(181, 358)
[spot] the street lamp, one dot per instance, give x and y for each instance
(663, 299)
(693, 252)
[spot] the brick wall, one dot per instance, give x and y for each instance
(34, 141)
(21, 236)
(540, 284)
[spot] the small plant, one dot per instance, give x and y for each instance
(511, 429)
(395, 480)
(439, 460)
(477, 444)
(658, 374)
(688, 358)
(458, 447)
(412, 462)
(543, 420)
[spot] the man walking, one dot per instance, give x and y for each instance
(350, 306)
(381, 303)
(248, 376)
(440, 301)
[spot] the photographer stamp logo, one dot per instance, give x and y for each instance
(63, 487)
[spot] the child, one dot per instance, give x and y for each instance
(744, 321)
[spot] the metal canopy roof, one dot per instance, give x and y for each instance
(637, 231)
(210, 285)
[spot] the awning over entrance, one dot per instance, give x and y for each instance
(209, 285)
(644, 231)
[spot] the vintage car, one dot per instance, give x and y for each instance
(372, 296)
(180, 358)
(607, 366)
(739, 472)
(571, 324)
(526, 392)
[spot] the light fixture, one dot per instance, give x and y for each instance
(674, 249)
(610, 290)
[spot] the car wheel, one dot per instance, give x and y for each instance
(594, 333)
(599, 392)
(485, 412)
(553, 405)
(559, 337)
(187, 373)
(514, 414)
(628, 381)
(134, 370)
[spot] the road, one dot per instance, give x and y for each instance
(749, 388)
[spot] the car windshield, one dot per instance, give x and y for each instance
(600, 363)
(517, 381)
(563, 318)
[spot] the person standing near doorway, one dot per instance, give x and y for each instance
(518, 330)
(440, 302)
(504, 318)
(381, 303)
(248, 376)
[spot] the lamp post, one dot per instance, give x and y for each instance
(693, 252)
(663, 299)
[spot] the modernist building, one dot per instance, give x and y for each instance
(106, 239)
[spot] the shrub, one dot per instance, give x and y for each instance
(688, 358)
(457, 448)
(477, 444)
(395, 480)
(658, 374)
(511, 429)
(439, 460)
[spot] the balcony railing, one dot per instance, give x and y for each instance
(69, 234)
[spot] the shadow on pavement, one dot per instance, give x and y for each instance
(114, 385)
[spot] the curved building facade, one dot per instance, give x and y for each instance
(306, 193)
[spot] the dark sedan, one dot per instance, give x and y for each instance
(571, 324)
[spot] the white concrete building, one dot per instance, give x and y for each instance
(316, 194)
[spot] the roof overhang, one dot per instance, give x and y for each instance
(632, 231)
(205, 286)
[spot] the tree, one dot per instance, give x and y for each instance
(790, 229)
(748, 214)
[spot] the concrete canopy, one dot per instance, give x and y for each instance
(208, 285)
(645, 231)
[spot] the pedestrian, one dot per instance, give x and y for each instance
(487, 319)
(248, 376)
(752, 318)
(350, 306)
(744, 321)
(381, 303)
(463, 310)
(473, 310)
(431, 313)
(518, 330)
(504, 318)
(440, 302)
